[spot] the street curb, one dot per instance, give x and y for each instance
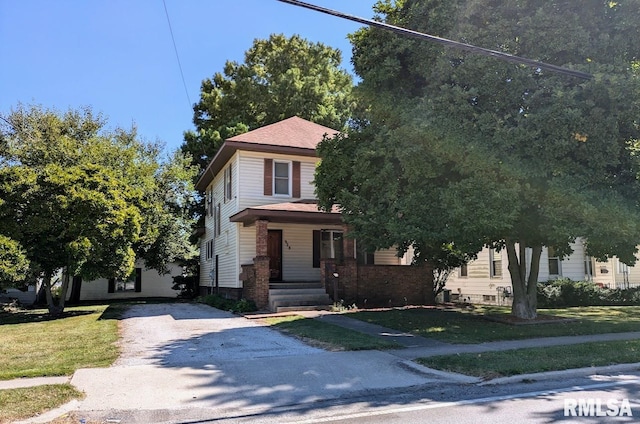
(450, 376)
(575, 372)
(52, 414)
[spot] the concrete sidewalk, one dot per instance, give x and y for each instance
(183, 357)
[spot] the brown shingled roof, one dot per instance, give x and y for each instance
(292, 136)
(291, 132)
(303, 211)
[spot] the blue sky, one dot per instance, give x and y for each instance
(117, 55)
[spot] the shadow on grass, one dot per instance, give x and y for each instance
(24, 316)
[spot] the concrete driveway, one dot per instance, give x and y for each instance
(194, 357)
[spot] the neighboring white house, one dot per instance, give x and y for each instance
(259, 200)
(487, 279)
(142, 283)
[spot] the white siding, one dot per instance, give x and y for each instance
(153, 284)
(387, 257)
(251, 189)
(225, 244)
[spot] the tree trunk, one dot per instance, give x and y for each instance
(525, 301)
(46, 284)
(76, 288)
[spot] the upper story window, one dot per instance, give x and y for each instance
(464, 271)
(282, 178)
(228, 184)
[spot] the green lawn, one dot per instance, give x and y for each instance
(328, 336)
(532, 360)
(33, 345)
(17, 404)
(468, 326)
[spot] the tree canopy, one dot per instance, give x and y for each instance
(280, 77)
(79, 198)
(466, 149)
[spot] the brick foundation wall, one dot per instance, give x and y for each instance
(378, 285)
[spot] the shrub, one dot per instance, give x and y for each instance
(219, 302)
(565, 292)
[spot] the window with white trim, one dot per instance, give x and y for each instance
(496, 263)
(464, 271)
(281, 178)
(331, 245)
(555, 266)
(218, 220)
(228, 184)
(209, 250)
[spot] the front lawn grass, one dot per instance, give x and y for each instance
(328, 336)
(468, 326)
(533, 360)
(32, 344)
(18, 404)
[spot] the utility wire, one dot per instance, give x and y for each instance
(175, 48)
(450, 43)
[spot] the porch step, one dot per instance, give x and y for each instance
(296, 285)
(304, 308)
(298, 299)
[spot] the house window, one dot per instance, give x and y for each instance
(588, 267)
(209, 250)
(331, 245)
(218, 220)
(554, 262)
(228, 185)
(327, 244)
(464, 271)
(209, 201)
(133, 283)
(281, 178)
(496, 264)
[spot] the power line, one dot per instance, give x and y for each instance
(450, 43)
(175, 48)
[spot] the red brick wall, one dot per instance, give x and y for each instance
(378, 285)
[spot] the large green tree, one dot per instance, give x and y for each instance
(85, 201)
(476, 151)
(279, 78)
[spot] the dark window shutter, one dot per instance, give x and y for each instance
(138, 285)
(268, 177)
(296, 179)
(316, 248)
(111, 287)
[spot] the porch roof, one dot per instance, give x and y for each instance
(301, 212)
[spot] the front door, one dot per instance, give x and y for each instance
(274, 250)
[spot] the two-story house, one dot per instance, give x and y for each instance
(487, 279)
(264, 237)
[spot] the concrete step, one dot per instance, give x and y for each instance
(297, 292)
(294, 298)
(296, 285)
(303, 308)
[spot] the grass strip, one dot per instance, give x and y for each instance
(33, 345)
(469, 326)
(328, 336)
(22, 403)
(490, 365)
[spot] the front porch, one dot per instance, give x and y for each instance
(340, 278)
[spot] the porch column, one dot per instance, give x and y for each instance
(261, 263)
